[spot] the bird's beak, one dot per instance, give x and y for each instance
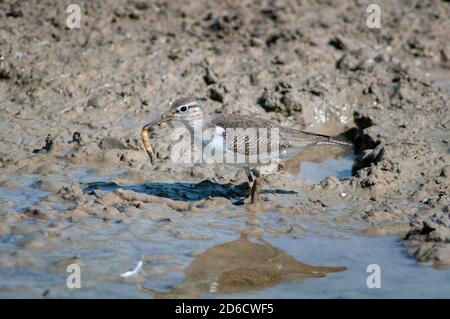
(166, 117)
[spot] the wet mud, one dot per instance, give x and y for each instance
(77, 187)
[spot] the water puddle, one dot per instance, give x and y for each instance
(287, 267)
(401, 276)
(206, 254)
(319, 162)
(22, 196)
(316, 172)
(240, 266)
(20, 192)
(86, 176)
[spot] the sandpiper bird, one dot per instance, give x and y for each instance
(251, 142)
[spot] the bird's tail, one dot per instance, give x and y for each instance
(327, 140)
(302, 138)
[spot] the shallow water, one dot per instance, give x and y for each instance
(316, 172)
(317, 163)
(22, 197)
(207, 254)
(401, 276)
(21, 192)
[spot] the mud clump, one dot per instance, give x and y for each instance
(47, 147)
(280, 99)
(429, 238)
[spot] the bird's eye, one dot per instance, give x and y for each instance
(183, 108)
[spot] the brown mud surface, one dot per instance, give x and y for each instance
(76, 185)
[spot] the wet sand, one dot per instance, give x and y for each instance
(76, 185)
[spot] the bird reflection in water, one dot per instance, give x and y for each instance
(239, 266)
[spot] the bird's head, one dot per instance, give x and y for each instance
(186, 110)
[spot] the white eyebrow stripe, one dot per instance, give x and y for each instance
(189, 104)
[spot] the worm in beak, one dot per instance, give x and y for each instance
(166, 117)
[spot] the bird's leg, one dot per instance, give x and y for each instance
(249, 174)
(250, 179)
(254, 193)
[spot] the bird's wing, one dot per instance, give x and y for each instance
(244, 134)
(248, 135)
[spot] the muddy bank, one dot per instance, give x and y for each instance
(76, 183)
